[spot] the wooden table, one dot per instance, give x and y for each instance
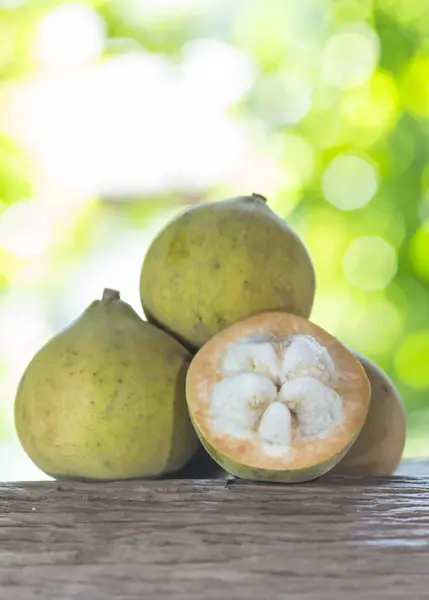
(197, 539)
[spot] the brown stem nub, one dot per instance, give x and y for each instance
(260, 197)
(109, 294)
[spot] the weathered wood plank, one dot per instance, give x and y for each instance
(197, 539)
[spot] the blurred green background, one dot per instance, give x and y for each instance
(115, 114)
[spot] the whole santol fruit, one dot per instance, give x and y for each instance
(105, 398)
(219, 262)
(379, 447)
(276, 398)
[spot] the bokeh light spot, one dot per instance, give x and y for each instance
(216, 70)
(69, 34)
(163, 137)
(373, 105)
(349, 182)
(370, 263)
(350, 57)
(412, 360)
(419, 252)
(26, 229)
(415, 86)
(285, 98)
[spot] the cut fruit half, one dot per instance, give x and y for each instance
(276, 398)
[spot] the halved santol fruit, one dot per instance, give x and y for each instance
(380, 445)
(276, 398)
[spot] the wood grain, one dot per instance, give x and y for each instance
(197, 539)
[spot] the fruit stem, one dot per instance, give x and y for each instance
(109, 294)
(259, 197)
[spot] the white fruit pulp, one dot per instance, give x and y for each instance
(275, 391)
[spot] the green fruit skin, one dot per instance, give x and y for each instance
(105, 399)
(266, 475)
(219, 262)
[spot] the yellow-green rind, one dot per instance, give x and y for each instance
(105, 400)
(219, 262)
(264, 475)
